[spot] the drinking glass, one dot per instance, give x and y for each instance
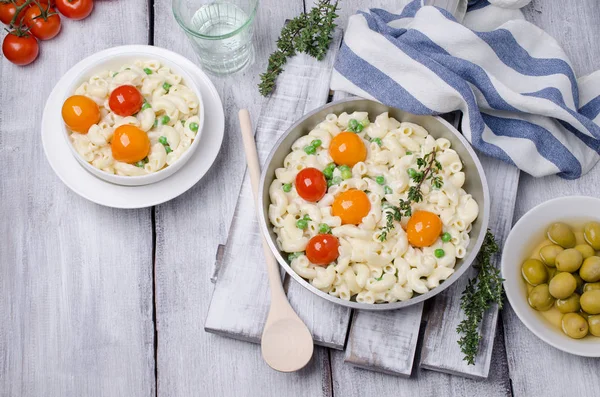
(220, 31)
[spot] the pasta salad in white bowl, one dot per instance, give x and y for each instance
(369, 205)
(133, 119)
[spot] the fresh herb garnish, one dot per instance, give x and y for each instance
(481, 292)
(428, 167)
(310, 33)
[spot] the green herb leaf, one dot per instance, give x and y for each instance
(481, 292)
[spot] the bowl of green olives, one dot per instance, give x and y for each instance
(551, 268)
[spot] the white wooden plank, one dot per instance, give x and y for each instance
(188, 231)
(355, 382)
(384, 341)
(232, 312)
(75, 277)
(440, 349)
(536, 369)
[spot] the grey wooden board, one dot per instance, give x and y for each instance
(75, 277)
(189, 229)
(355, 382)
(537, 369)
(440, 350)
(240, 301)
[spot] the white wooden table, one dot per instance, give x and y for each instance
(102, 302)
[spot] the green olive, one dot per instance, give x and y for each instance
(594, 324)
(574, 325)
(534, 272)
(562, 285)
(591, 234)
(569, 305)
(569, 260)
(540, 298)
(590, 302)
(561, 234)
(591, 286)
(586, 250)
(548, 253)
(551, 272)
(590, 270)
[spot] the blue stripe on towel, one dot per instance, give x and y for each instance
(591, 109)
(371, 79)
(547, 145)
(477, 5)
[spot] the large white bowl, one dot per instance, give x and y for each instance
(114, 62)
(528, 232)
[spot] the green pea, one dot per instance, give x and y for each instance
(140, 164)
(352, 124)
(336, 180)
(287, 187)
(346, 174)
(439, 253)
(359, 128)
(412, 172)
(194, 127)
(377, 141)
(365, 122)
(329, 183)
(168, 149)
(147, 71)
(165, 119)
(380, 180)
(306, 218)
(310, 149)
(324, 228)
(294, 255)
(163, 140)
(301, 224)
(166, 86)
(388, 190)
(145, 106)
(408, 153)
(446, 237)
(328, 172)
(316, 143)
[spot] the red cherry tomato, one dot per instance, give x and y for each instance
(7, 12)
(75, 9)
(43, 23)
(125, 100)
(20, 48)
(322, 249)
(311, 184)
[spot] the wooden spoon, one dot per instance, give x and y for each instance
(286, 343)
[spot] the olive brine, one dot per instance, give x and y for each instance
(566, 278)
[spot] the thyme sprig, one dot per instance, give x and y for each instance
(310, 33)
(428, 167)
(481, 292)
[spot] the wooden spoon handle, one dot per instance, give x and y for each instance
(254, 171)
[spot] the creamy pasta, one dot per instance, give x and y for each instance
(169, 117)
(371, 268)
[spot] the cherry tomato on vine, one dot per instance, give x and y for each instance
(322, 249)
(75, 9)
(125, 100)
(7, 12)
(311, 184)
(19, 47)
(43, 23)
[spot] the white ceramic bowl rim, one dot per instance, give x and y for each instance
(527, 233)
(155, 176)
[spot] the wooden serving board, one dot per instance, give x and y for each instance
(380, 341)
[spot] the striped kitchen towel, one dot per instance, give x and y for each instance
(515, 86)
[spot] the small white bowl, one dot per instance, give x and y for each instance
(115, 62)
(528, 232)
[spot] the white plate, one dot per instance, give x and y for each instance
(105, 193)
(526, 234)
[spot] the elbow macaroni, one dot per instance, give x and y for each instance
(369, 270)
(178, 102)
